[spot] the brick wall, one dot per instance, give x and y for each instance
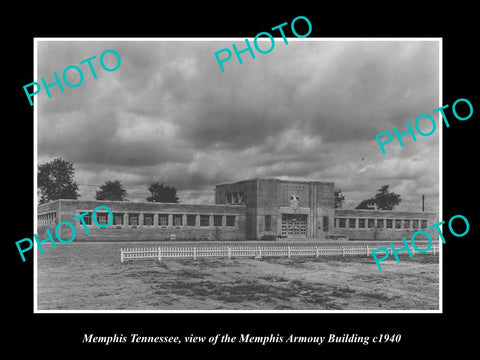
(325, 195)
(48, 207)
(249, 188)
(288, 188)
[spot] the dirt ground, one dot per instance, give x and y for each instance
(90, 276)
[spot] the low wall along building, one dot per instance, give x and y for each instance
(262, 208)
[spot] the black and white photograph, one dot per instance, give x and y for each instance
(260, 187)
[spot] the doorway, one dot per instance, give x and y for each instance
(294, 225)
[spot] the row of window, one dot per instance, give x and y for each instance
(364, 223)
(177, 220)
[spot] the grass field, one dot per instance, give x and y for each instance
(89, 276)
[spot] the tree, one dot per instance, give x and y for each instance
(111, 190)
(383, 200)
(339, 199)
(367, 204)
(386, 200)
(55, 181)
(162, 193)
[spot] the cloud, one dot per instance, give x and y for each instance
(307, 110)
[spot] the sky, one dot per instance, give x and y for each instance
(308, 110)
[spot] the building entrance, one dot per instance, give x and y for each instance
(294, 225)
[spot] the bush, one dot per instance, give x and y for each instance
(337, 237)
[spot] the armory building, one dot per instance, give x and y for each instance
(244, 210)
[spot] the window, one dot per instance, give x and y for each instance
(235, 198)
(406, 223)
(102, 218)
(162, 220)
(415, 224)
(230, 220)
(268, 223)
(398, 224)
(335, 222)
(87, 219)
(389, 223)
(241, 197)
(52, 217)
(228, 198)
(342, 222)
(325, 223)
(351, 222)
(148, 219)
(191, 220)
(361, 223)
(380, 223)
(117, 219)
(133, 219)
(424, 224)
(204, 220)
(178, 220)
(371, 223)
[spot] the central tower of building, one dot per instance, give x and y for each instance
(293, 209)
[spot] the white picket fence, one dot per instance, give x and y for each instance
(240, 251)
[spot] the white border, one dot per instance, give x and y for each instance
(35, 185)
(390, 39)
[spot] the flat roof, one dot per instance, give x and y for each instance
(133, 202)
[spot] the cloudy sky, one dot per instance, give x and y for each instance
(308, 110)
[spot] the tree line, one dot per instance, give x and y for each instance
(56, 181)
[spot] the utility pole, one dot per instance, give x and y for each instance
(423, 203)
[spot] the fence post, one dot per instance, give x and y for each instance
(343, 251)
(367, 250)
(288, 247)
(194, 253)
(316, 251)
(229, 252)
(259, 252)
(121, 255)
(434, 246)
(159, 254)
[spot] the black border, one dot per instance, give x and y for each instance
(421, 333)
